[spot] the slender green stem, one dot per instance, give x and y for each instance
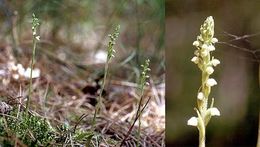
(110, 54)
(202, 139)
(203, 109)
(140, 115)
(31, 66)
(98, 107)
(143, 78)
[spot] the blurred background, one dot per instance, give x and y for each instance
(78, 30)
(237, 95)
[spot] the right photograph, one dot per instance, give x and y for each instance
(213, 73)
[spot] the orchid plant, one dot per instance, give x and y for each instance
(36, 38)
(206, 63)
(110, 54)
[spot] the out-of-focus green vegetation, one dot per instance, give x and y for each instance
(237, 92)
(85, 24)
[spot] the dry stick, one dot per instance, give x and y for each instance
(152, 140)
(77, 123)
(253, 52)
(241, 37)
(138, 114)
(244, 37)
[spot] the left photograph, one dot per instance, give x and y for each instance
(82, 73)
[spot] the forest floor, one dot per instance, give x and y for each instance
(65, 94)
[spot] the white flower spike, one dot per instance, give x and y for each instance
(205, 45)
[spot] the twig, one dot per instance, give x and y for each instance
(136, 118)
(77, 123)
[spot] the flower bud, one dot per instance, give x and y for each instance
(209, 70)
(38, 38)
(196, 43)
(204, 47)
(214, 40)
(195, 60)
(200, 96)
(215, 62)
(196, 52)
(204, 53)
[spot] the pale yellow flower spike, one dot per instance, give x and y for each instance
(205, 45)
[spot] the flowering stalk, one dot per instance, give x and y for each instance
(141, 85)
(110, 54)
(36, 38)
(205, 45)
(143, 81)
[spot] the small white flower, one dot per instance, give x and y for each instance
(214, 111)
(193, 121)
(215, 62)
(100, 56)
(196, 43)
(211, 48)
(20, 69)
(200, 96)
(204, 47)
(11, 66)
(14, 67)
(200, 38)
(38, 38)
(204, 53)
(6, 81)
(211, 82)
(196, 52)
(35, 73)
(19, 66)
(15, 76)
(195, 60)
(214, 40)
(209, 70)
(34, 32)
